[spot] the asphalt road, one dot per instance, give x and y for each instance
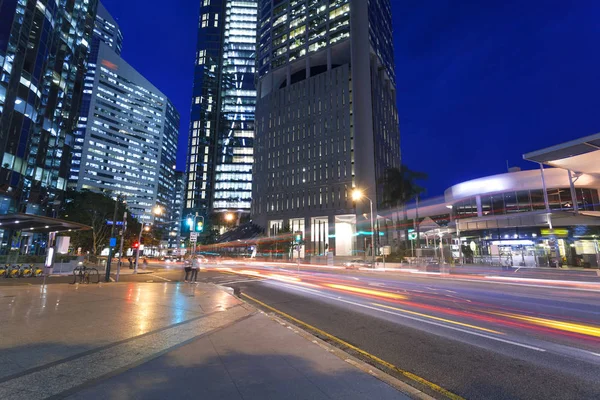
(480, 339)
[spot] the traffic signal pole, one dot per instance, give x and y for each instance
(121, 248)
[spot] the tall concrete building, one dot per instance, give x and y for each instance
(128, 130)
(326, 119)
(220, 147)
(107, 32)
(43, 49)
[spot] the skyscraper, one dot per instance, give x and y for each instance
(220, 147)
(127, 134)
(106, 31)
(326, 119)
(43, 49)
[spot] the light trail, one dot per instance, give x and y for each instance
(439, 319)
(588, 330)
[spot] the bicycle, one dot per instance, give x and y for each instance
(31, 271)
(14, 271)
(85, 275)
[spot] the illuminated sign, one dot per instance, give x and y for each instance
(110, 65)
(562, 232)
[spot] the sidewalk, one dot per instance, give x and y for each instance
(157, 341)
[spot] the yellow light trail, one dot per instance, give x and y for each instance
(360, 290)
(439, 319)
(588, 330)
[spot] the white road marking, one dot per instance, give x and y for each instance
(418, 319)
(160, 277)
(241, 281)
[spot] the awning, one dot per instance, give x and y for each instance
(580, 155)
(38, 223)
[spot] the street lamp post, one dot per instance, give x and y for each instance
(112, 234)
(157, 211)
(357, 195)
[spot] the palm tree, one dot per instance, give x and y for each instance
(400, 187)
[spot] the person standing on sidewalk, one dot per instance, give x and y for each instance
(187, 268)
(195, 267)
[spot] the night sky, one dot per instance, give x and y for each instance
(479, 82)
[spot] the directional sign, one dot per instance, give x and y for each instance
(113, 242)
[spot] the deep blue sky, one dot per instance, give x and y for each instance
(479, 82)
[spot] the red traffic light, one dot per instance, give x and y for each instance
(136, 245)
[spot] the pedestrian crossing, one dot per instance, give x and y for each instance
(227, 279)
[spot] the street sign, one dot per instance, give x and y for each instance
(387, 250)
(113, 242)
(193, 237)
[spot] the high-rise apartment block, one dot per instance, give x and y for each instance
(220, 147)
(326, 119)
(43, 49)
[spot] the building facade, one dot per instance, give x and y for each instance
(43, 50)
(522, 219)
(126, 140)
(106, 31)
(221, 139)
(130, 138)
(326, 119)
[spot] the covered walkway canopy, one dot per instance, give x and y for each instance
(580, 155)
(38, 224)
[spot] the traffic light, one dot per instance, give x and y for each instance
(298, 237)
(190, 221)
(199, 226)
(142, 240)
(136, 245)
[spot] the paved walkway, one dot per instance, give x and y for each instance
(161, 340)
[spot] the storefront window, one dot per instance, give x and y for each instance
(554, 199)
(566, 200)
(585, 199)
(537, 200)
(595, 199)
(466, 208)
(510, 202)
(524, 201)
(497, 204)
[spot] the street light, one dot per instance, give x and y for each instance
(357, 195)
(145, 227)
(229, 217)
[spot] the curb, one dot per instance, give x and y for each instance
(390, 380)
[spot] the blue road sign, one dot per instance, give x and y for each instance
(113, 242)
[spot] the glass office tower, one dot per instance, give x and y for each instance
(126, 140)
(220, 147)
(106, 31)
(326, 119)
(130, 138)
(43, 48)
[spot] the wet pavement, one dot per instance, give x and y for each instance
(145, 340)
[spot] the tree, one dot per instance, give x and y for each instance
(400, 187)
(95, 210)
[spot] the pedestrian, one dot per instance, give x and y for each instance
(195, 267)
(130, 262)
(187, 268)
(145, 262)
